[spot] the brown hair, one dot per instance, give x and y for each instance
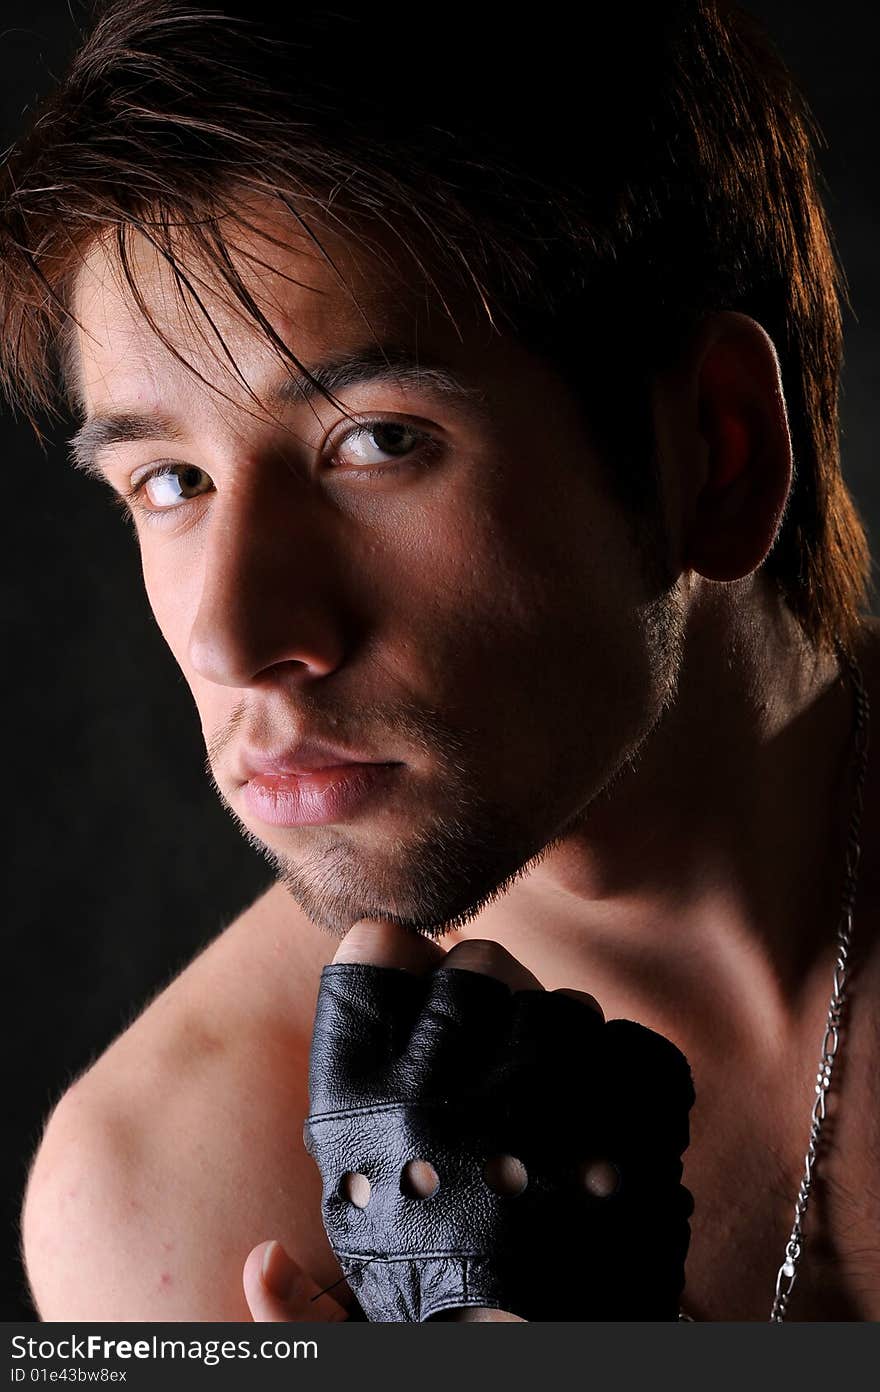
(597, 199)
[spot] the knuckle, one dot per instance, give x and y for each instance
(583, 996)
(479, 954)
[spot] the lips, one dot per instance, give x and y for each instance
(311, 782)
(300, 760)
(333, 793)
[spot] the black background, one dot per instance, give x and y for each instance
(121, 865)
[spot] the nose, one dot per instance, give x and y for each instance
(266, 589)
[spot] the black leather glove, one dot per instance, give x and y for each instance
(454, 1068)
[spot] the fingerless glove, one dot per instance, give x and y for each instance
(455, 1069)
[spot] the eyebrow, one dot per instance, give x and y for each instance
(391, 364)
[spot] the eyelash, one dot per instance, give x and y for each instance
(426, 445)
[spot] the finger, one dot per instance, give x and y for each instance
(381, 943)
(368, 999)
(465, 1017)
(551, 1034)
(490, 958)
(559, 1023)
(654, 1077)
(363, 1017)
(278, 1291)
(463, 1023)
(581, 996)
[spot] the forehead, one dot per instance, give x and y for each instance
(319, 290)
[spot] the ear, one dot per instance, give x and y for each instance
(724, 447)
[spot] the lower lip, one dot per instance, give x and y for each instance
(323, 795)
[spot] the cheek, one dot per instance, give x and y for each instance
(170, 596)
(520, 569)
(540, 661)
(513, 612)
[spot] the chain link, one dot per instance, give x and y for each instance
(787, 1274)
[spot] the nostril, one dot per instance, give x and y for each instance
(504, 1174)
(355, 1187)
(419, 1179)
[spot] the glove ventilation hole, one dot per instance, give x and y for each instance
(355, 1187)
(419, 1179)
(504, 1174)
(600, 1178)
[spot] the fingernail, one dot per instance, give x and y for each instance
(280, 1274)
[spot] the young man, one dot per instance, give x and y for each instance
(474, 403)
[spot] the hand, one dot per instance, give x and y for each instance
(278, 1291)
(486, 1143)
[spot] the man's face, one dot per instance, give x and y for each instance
(472, 610)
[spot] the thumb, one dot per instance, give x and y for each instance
(278, 1291)
(381, 943)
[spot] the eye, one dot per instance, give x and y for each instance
(166, 487)
(359, 446)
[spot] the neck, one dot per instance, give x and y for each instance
(710, 873)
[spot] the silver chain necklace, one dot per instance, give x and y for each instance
(787, 1273)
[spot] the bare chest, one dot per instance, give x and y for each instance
(744, 1168)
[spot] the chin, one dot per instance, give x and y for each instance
(436, 881)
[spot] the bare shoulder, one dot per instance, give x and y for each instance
(181, 1147)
